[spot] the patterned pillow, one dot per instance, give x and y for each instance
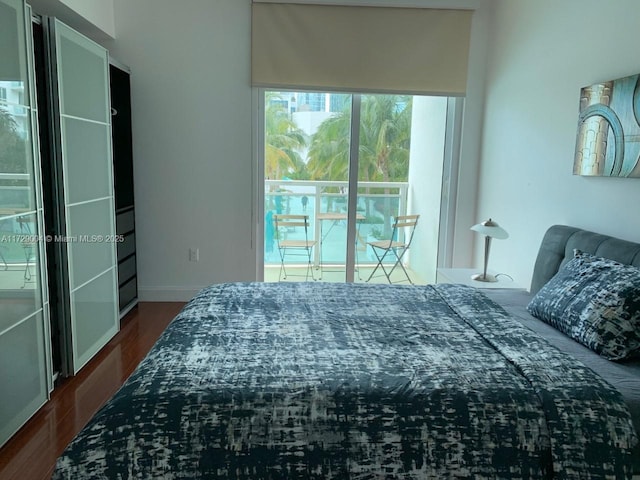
(596, 301)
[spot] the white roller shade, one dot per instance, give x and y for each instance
(350, 48)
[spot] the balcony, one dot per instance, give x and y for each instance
(378, 203)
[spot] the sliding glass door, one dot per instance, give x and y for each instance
(25, 369)
(346, 161)
(400, 175)
(306, 172)
(85, 214)
(383, 174)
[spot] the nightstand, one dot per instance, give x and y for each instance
(463, 276)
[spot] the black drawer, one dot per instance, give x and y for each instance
(125, 222)
(128, 292)
(126, 269)
(127, 247)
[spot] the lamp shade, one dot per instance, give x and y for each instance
(491, 229)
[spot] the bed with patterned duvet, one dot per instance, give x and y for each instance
(352, 381)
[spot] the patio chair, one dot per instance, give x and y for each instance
(403, 229)
(292, 237)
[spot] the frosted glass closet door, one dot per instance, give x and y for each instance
(85, 161)
(24, 346)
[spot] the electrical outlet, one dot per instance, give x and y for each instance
(194, 254)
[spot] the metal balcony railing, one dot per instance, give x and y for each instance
(378, 203)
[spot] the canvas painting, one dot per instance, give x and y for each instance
(608, 141)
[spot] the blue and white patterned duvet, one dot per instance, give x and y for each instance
(348, 381)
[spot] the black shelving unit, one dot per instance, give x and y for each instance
(123, 185)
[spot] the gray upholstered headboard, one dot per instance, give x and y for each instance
(559, 242)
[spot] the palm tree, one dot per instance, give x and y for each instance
(385, 132)
(329, 149)
(283, 140)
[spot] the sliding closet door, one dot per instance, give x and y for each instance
(24, 345)
(85, 184)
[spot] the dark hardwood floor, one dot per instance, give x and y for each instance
(32, 452)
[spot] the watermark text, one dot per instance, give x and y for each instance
(23, 238)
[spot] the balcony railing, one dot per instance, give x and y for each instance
(378, 203)
(16, 197)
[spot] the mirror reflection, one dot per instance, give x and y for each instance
(19, 235)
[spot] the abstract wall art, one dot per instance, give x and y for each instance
(608, 140)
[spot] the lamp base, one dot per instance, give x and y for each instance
(481, 277)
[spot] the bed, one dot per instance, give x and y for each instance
(310, 380)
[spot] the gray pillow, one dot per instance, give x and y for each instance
(596, 301)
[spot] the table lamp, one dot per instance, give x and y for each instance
(489, 229)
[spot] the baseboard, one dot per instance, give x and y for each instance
(167, 293)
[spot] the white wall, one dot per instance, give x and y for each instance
(542, 53)
(192, 128)
(98, 12)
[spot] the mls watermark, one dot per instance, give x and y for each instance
(21, 238)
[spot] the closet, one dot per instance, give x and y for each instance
(67, 272)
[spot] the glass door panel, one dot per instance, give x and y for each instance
(86, 220)
(394, 146)
(400, 174)
(89, 254)
(86, 147)
(23, 372)
(19, 229)
(383, 173)
(306, 160)
(24, 367)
